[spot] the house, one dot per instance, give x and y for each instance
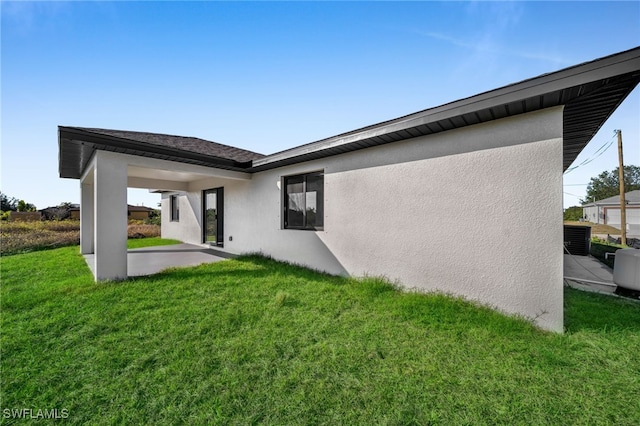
(133, 212)
(61, 212)
(139, 212)
(74, 213)
(435, 200)
(607, 211)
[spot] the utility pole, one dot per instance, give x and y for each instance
(623, 203)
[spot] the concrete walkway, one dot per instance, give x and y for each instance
(151, 260)
(588, 273)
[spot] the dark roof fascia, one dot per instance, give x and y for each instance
(111, 143)
(599, 69)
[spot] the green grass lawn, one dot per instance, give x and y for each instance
(150, 242)
(255, 341)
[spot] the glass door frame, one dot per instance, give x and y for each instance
(219, 216)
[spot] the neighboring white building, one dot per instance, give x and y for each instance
(607, 211)
(436, 200)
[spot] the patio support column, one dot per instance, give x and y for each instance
(86, 217)
(110, 216)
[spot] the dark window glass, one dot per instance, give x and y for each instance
(295, 202)
(213, 216)
(304, 200)
(175, 209)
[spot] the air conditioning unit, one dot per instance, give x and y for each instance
(626, 270)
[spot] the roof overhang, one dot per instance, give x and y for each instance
(590, 92)
(76, 147)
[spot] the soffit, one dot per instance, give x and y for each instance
(590, 93)
(159, 174)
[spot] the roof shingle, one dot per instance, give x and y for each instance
(184, 143)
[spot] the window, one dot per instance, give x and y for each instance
(175, 208)
(213, 216)
(304, 201)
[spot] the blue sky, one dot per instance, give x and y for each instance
(270, 76)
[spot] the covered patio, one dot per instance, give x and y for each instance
(108, 162)
(152, 260)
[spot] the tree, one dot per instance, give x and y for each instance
(23, 206)
(59, 212)
(573, 213)
(7, 204)
(607, 184)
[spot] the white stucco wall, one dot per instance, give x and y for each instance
(188, 228)
(447, 212)
(592, 214)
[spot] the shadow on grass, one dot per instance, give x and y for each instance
(585, 311)
(244, 269)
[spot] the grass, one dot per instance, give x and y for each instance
(596, 228)
(24, 237)
(150, 242)
(251, 340)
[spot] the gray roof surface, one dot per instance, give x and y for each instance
(590, 92)
(630, 197)
(185, 143)
(76, 145)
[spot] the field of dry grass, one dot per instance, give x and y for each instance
(21, 237)
(596, 228)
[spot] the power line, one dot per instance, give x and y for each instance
(573, 195)
(605, 146)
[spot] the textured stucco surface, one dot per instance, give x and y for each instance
(110, 216)
(449, 212)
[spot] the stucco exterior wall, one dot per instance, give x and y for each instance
(593, 214)
(447, 212)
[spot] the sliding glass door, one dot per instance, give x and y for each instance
(213, 217)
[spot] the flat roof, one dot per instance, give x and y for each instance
(590, 92)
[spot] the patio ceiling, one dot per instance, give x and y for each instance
(171, 175)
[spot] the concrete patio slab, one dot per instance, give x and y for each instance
(587, 273)
(151, 260)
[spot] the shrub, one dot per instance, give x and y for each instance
(18, 237)
(573, 213)
(154, 218)
(143, 231)
(599, 248)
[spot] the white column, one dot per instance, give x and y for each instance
(86, 217)
(110, 216)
